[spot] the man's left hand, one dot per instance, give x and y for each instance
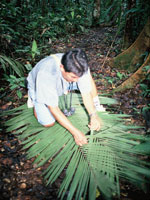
(95, 123)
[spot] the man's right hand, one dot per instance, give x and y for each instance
(80, 138)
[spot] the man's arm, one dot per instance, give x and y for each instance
(79, 137)
(95, 122)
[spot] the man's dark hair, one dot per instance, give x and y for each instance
(75, 61)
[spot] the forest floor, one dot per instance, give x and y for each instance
(19, 180)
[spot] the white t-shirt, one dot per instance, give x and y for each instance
(46, 83)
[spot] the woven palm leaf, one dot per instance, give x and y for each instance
(111, 154)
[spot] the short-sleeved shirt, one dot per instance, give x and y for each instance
(46, 83)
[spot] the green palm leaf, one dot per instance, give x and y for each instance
(111, 154)
(14, 66)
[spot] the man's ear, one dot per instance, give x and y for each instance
(62, 68)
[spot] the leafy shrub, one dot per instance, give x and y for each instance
(16, 84)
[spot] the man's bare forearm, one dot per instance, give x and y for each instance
(79, 137)
(62, 119)
(88, 103)
(95, 122)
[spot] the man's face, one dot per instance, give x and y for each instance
(69, 76)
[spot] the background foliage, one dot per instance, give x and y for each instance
(29, 28)
(21, 22)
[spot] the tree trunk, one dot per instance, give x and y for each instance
(133, 80)
(44, 7)
(129, 25)
(133, 56)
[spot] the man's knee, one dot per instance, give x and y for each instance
(42, 122)
(49, 125)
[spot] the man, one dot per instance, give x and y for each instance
(50, 78)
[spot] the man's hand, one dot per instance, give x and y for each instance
(95, 122)
(80, 138)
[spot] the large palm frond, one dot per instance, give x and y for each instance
(110, 155)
